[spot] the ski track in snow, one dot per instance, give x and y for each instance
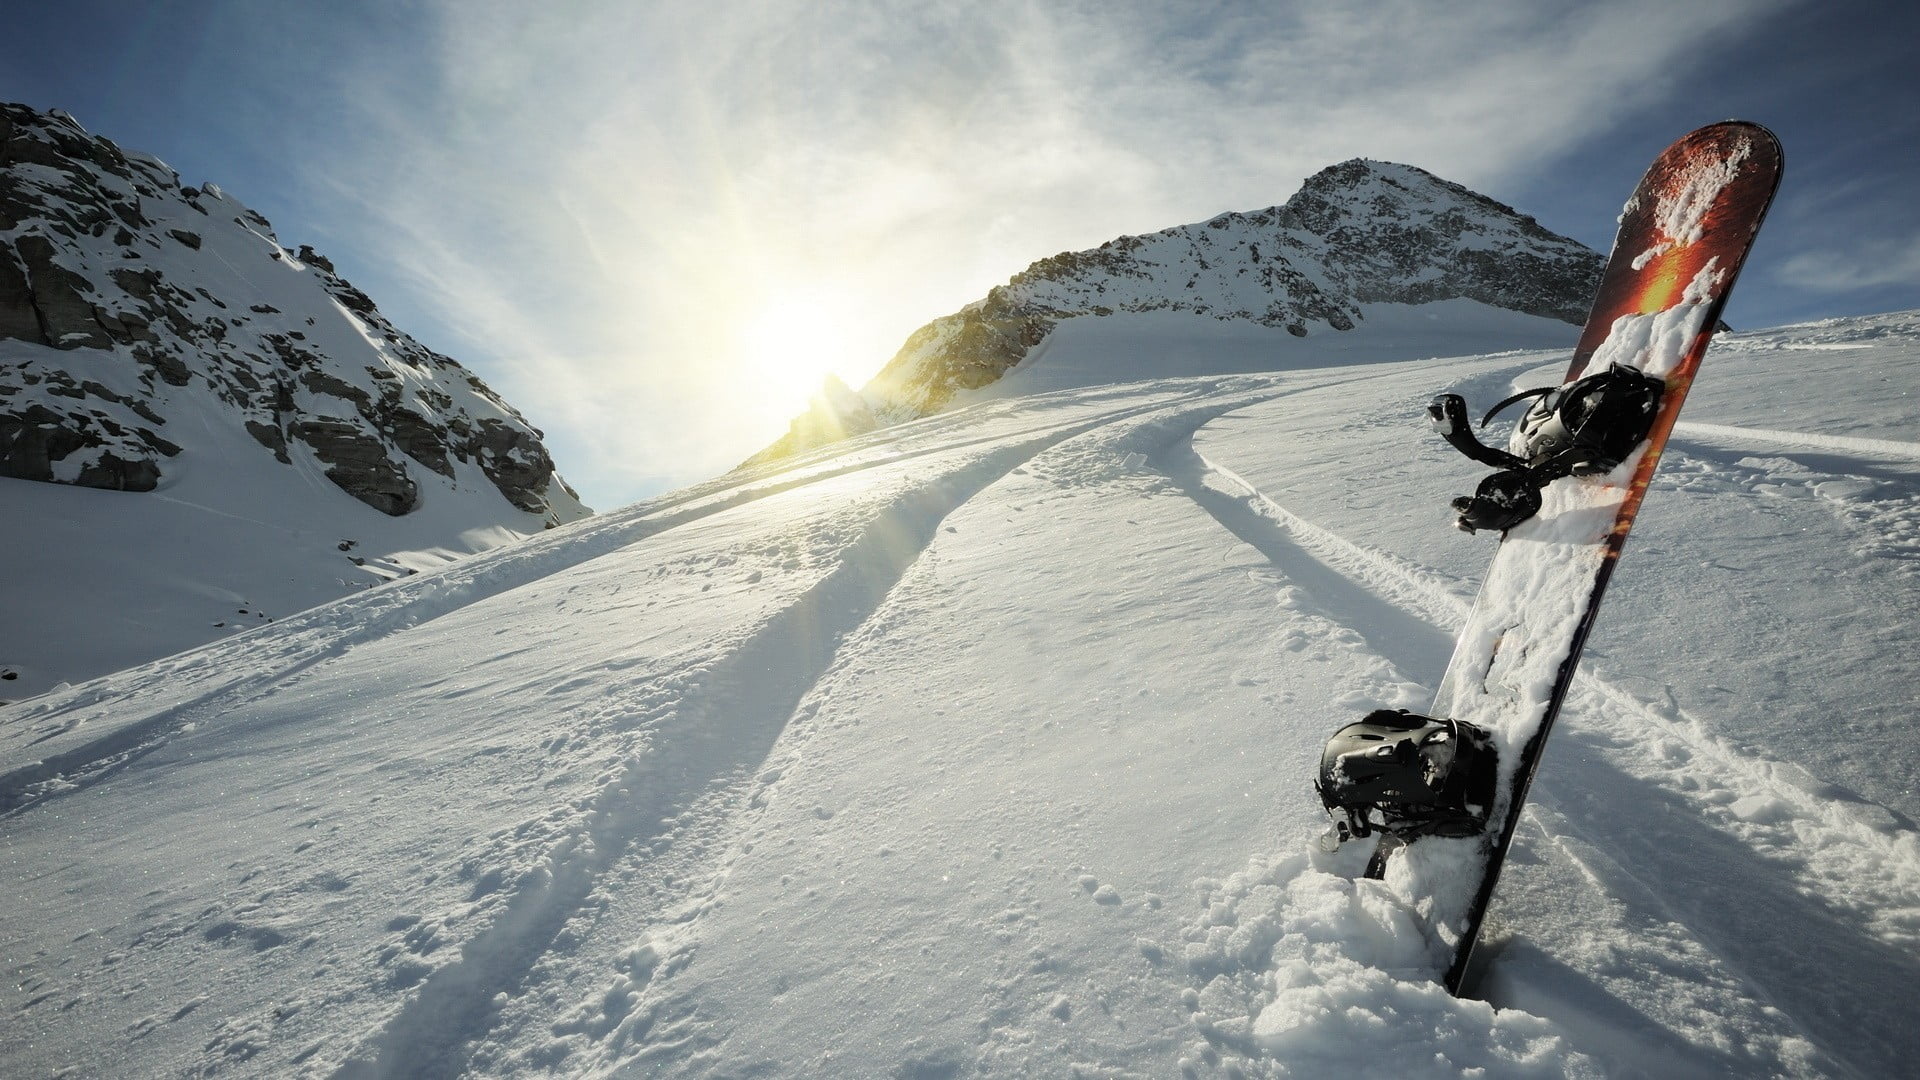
(1845, 444)
(714, 732)
(1876, 502)
(88, 748)
(634, 1019)
(670, 769)
(716, 737)
(1844, 838)
(1702, 808)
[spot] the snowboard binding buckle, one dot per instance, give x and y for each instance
(1581, 428)
(1408, 776)
(1503, 500)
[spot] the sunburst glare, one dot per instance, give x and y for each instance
(788, 346)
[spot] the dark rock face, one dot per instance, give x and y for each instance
(835, 413)
(270, 437)
(66, 316)
(512, 457)
(358, 462)
(35, 438)
(1357, 233)
(19, 319)
(425, 442)
(139, 299)
(118, 474)
(1390, 227)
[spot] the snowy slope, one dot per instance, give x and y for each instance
(980, 745)
(194, 419)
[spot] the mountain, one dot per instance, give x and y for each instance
(145, 297)
(1358, 240)
(269, 439)
(981, 745)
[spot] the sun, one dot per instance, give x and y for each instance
(791, 343)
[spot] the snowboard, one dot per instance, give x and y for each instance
(1683, 236)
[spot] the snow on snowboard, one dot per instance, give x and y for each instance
(1441, 795)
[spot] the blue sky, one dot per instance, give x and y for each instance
(652, 226)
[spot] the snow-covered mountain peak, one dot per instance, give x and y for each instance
(1356, 236)
(202, 429)
(1403, 234)
(130, 302)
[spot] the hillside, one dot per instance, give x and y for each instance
(980, 746)
(196, 420)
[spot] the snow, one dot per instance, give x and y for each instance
(1092, 350)
(1655, 343)
(1681, 209)
(981, 746)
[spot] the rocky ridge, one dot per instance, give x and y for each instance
(129, 301)
(1356, 234)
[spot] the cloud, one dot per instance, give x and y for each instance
(592, 194)
(1869, 263)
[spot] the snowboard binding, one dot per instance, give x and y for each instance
(1581, 428)
(1408, 776)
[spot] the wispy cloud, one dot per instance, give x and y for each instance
(598, 193)
(1870, 263)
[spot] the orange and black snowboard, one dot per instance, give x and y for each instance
(1683, 237)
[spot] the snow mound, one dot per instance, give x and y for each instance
(1297, 964)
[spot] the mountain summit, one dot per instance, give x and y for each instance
(1356, 236)
(136, 311)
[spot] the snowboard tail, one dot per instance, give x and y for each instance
(1683, 237)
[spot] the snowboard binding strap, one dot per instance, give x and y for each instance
(1581, 428)
(1407, 775)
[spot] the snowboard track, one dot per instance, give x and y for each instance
(310, 639)
(1845, 444)
(716, 737)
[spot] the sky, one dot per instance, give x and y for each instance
(655, 227)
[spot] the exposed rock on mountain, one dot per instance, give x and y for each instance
(835, 413)
(135, 311)
(1356, 234)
